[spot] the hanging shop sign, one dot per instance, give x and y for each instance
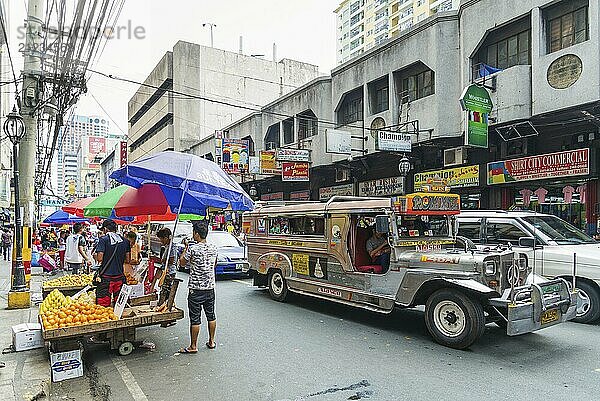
(268, 163)
(234, 158)
(382, 187)
(477, 104)
(275, 196)
(393, 141)
(338, 141)
(300, 195)
(254, 165)
(293, 155)
(459, 177)
(564, 71)
(122, 153)
(327, 193)
(551, 165)
(292, 171)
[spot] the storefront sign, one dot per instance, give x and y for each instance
(459, 177)
(327, 193)
(564, 71)
(477, 104)
(293, 155)
(338, 141)
(300, 196)
(551, 165)
(381, 187)
(268, 163)
(122, 153)
(295, 171)
(53, 202)
(393, 141)
(275, 196)
(234, 156)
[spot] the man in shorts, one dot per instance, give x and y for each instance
(76, 250)
(202, 258)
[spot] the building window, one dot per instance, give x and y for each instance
(351, 109)
(288, 131)
(567, 29)
(379, 92)
(514, 50)
(419, 85)
(307, 125)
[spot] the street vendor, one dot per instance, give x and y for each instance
(112, 252)
(165, 236)
(134, 255)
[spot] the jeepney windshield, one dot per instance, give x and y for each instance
(423, 226)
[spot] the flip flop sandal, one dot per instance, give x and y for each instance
(209, 347)
(186, 350)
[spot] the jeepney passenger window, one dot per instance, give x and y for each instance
(423, 226)
(279, 225)
(307, 226)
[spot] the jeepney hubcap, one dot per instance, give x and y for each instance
(449, 318)
(277, 283)
(583, 302)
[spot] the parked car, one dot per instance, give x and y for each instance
(232, 257)
(556, 243)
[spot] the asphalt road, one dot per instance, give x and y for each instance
(318, 351)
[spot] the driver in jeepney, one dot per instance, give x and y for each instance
(379, 249)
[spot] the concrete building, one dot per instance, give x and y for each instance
(90, 154)
(537, 60)
(363, 24)
(194, 90)
(6, 103)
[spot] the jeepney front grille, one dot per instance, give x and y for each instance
(513, 272)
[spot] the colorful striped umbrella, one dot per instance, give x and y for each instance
(76, 207)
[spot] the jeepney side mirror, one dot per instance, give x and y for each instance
(454, 223)
(382, 224)
(528, 242)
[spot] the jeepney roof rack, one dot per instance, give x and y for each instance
(281, 203)
(342, 198)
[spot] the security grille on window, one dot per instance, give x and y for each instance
(419, 85)
(567, 24)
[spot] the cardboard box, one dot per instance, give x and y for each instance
(66, 362)
(27, 336)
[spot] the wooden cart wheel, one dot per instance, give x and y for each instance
(125, 348)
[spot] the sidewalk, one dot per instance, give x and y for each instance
(27, 374)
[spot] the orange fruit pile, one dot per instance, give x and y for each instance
(76, 314)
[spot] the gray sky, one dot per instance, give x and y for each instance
(303, 30)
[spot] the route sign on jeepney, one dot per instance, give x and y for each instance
(433, 199)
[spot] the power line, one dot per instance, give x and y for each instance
(106, 112)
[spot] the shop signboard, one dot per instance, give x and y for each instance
(275, 196)
(268, 163)
(293, 155)
(292, 171)
(53, 202)
(338, 141)
(122, 153)
(477, 104)
(254, 165)
(5, 194)
(300, 195)
(393, 141)
(234, 158)
(382, 187)
(458, 177)
(552, 165)
(327, 193)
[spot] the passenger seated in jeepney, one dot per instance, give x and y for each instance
(379, 250)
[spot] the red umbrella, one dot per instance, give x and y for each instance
(77, 207)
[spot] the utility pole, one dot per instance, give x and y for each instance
(31, 91)
(211, 26)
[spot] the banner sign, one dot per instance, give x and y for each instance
(393, 141)
(293, 155)
(295, 171)
(477, 104)
(459, 177)
(551, 165)
(327, 193)
(123, 153)
(234, 156)
(268, 163)
(53, 202)
(254, 165)
(337, 141)
(276, 196)
(381, 187)
(300, 196)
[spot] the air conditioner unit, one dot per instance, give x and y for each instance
(455, 156)
(342, 175)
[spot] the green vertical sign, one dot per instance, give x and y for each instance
(477, 104)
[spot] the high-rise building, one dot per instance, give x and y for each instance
(363, 24)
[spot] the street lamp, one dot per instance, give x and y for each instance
(14, 129)
(404, 166)
(211, 25)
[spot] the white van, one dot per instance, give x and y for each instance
(556, 241)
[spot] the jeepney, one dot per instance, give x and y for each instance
(319, 249)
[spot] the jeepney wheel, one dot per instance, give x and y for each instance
(125, 348)
(277, 286)
(454, 319)
(588, 303)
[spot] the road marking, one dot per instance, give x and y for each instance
(242, 282)
(130, 382)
